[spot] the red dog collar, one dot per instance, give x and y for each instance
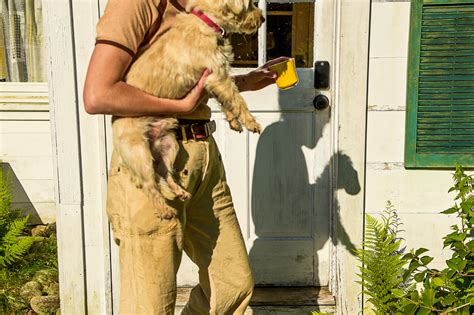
(208, 21)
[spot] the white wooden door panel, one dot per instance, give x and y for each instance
(282, 262)
(282, 199)
(280, 183)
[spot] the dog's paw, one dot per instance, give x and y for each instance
(183, 195)
(236, 125)
(254, 127)
(168, 213)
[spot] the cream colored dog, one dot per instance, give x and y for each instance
(169, 69)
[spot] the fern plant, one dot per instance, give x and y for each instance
(382, 261)
(419, 289)
(13, 243)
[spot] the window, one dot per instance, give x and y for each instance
(288, 31)
(440, 99)
(21, 41)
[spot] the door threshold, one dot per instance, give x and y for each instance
(281, 300)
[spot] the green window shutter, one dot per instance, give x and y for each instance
(440, 91)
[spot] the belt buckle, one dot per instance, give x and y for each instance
(209, 128)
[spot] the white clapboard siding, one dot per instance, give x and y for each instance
(26, 150)
(418, 195)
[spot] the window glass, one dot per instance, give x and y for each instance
(21, 41)
(289, 33)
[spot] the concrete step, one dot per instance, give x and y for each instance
(279, 300)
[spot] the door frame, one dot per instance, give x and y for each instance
(352, 39)
(80, 153)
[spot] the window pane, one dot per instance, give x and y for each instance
(289, 33)
(21, 41)
(245, 49)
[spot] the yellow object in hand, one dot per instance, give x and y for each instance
(287, 75)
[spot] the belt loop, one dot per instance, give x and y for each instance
(183, 131)
(191, 127)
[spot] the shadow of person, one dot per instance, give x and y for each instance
(290, 214)
(283, 201)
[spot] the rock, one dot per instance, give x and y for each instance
(45, 304)
(52, 289)
(50, 229)
(46, 276)
(31, 289)
(44, 230)
(38, 230)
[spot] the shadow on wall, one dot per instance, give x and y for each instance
(21, 200)
(290, 214)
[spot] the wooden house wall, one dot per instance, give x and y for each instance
(418, 195)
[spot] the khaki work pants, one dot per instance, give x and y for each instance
(206, 228)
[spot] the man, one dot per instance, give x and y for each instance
(206, 227)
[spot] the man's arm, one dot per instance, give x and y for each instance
(258, 78)
(105, 92)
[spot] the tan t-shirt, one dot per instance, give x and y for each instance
(133, 25)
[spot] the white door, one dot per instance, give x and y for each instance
(280, 178)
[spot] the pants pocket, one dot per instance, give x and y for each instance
(131, 212)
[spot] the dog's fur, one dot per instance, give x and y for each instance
(170, 68)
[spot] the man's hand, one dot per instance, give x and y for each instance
(258, 78)
(194, 97)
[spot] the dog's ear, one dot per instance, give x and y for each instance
(237, 6)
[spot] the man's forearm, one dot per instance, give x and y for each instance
(241, 82)
(121, 99)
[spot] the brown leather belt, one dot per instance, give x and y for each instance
(195, 129)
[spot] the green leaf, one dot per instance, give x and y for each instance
(451, 273)
(451, 264)
(420, 251)
(398, 293)
(428, 297)
(461, 265)
(438, 282)
(450, 210)
(426, 260)
(419, 277)
(410, 309)
(414, 296)
(423, 311)
(413, 266)
(448, 300)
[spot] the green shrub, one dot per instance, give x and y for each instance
(21, 256)
(12, 248)
(407, 284)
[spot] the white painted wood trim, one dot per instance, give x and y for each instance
(80, 160)
(15, 96)
(93, 168)
(352, 45)
(22, 87)
(65, 139)
(23, 107)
